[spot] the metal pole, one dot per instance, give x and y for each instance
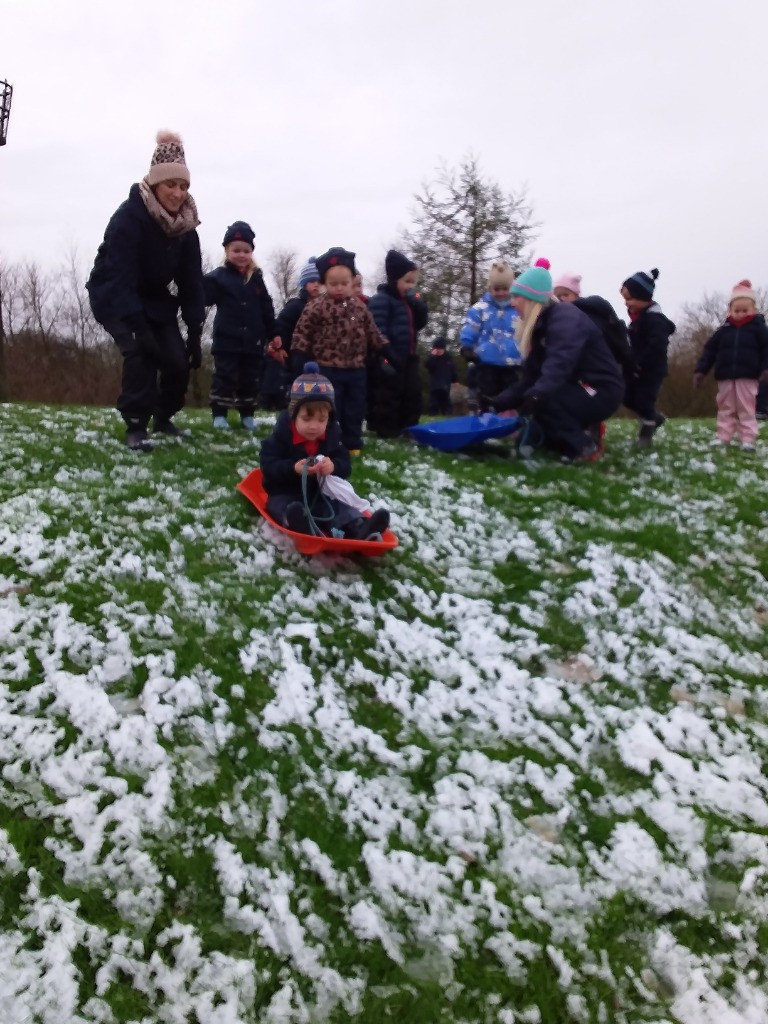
(5, 110)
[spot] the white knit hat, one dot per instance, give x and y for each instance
(168, 160)
(743, 290)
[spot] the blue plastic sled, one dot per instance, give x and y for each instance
(451, 435)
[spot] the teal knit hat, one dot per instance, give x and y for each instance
(535, 283)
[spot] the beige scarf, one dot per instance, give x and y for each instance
(185, 220)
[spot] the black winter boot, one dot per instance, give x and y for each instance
(137, 440)
(295, 518)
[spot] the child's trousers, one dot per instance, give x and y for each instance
(736, 410)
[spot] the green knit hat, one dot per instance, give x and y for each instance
(535, 283)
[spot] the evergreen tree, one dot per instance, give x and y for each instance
(462, 223)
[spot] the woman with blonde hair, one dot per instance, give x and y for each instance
(150, 243)
(571, 381)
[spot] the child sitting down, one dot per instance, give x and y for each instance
(307, 436)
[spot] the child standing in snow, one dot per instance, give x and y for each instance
(245, 319)
(277, 377)
(400, 313)
(738, 350)
(487, 338)
(308, 430)
(649, 334)
(339, 332)
(442, 373)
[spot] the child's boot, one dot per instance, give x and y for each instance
(368, 527)
(247, 422)
(648, 428)
(295, 518)
(220, 423)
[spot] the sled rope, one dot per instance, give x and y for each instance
(314, 519)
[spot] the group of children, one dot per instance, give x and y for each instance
(349, 359)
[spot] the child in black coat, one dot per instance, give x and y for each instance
(738, 350)
(244, 323)
(400, 313)
(649, 334)
(307, 441)
(442, 373)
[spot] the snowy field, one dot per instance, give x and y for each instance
(514, 771)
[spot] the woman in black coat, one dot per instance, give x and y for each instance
(149, 244)
(571, 381)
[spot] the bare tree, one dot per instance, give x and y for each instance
(283, 266)
(42, 301)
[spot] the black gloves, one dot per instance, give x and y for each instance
(194, 347)
(468, 354)
(530, 405)
(390, 364)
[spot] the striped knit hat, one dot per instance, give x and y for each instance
(535, 283)
(641, 285)
(309, 272)
(168, 161)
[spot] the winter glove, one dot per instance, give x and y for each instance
(763, 378)
(468, 354)
(194, 347)
(531, 405)
(698, 380)
(390, 363)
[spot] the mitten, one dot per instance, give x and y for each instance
(390, 363)
(763, 378)
(468, 354)
(194, 347)
(698, 380)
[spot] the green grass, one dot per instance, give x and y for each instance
(515, 767)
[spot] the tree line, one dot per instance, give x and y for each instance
(52, 349)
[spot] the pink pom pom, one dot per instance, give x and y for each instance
(744, 284)
(543, 262)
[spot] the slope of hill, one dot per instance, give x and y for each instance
(513, 772)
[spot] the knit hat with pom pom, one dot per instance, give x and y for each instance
(310, 386)
(168, 160)
(501, 275)
(535, 283)
(641, 285)
(743, 290)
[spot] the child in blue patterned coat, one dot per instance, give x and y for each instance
(488, 336)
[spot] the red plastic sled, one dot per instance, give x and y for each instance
(253, 489)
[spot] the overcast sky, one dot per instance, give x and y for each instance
(637, 128)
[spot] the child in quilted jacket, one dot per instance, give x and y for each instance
(338, 332)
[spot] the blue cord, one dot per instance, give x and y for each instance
(531, 437)
(313, 520)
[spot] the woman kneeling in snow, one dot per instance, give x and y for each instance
(570, 382)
